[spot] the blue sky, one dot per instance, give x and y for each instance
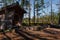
(47, 9)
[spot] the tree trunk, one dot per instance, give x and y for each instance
(51, 13)
(29, 14)
(59, 18)
(37, 14)
(34, 12)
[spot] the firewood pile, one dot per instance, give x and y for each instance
(30, 33)
(48, 34)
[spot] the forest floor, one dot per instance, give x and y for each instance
(45, 34)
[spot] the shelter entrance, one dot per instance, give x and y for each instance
(11, 15)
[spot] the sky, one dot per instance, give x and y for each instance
(47, 9)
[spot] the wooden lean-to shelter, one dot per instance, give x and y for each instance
(16, 13)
